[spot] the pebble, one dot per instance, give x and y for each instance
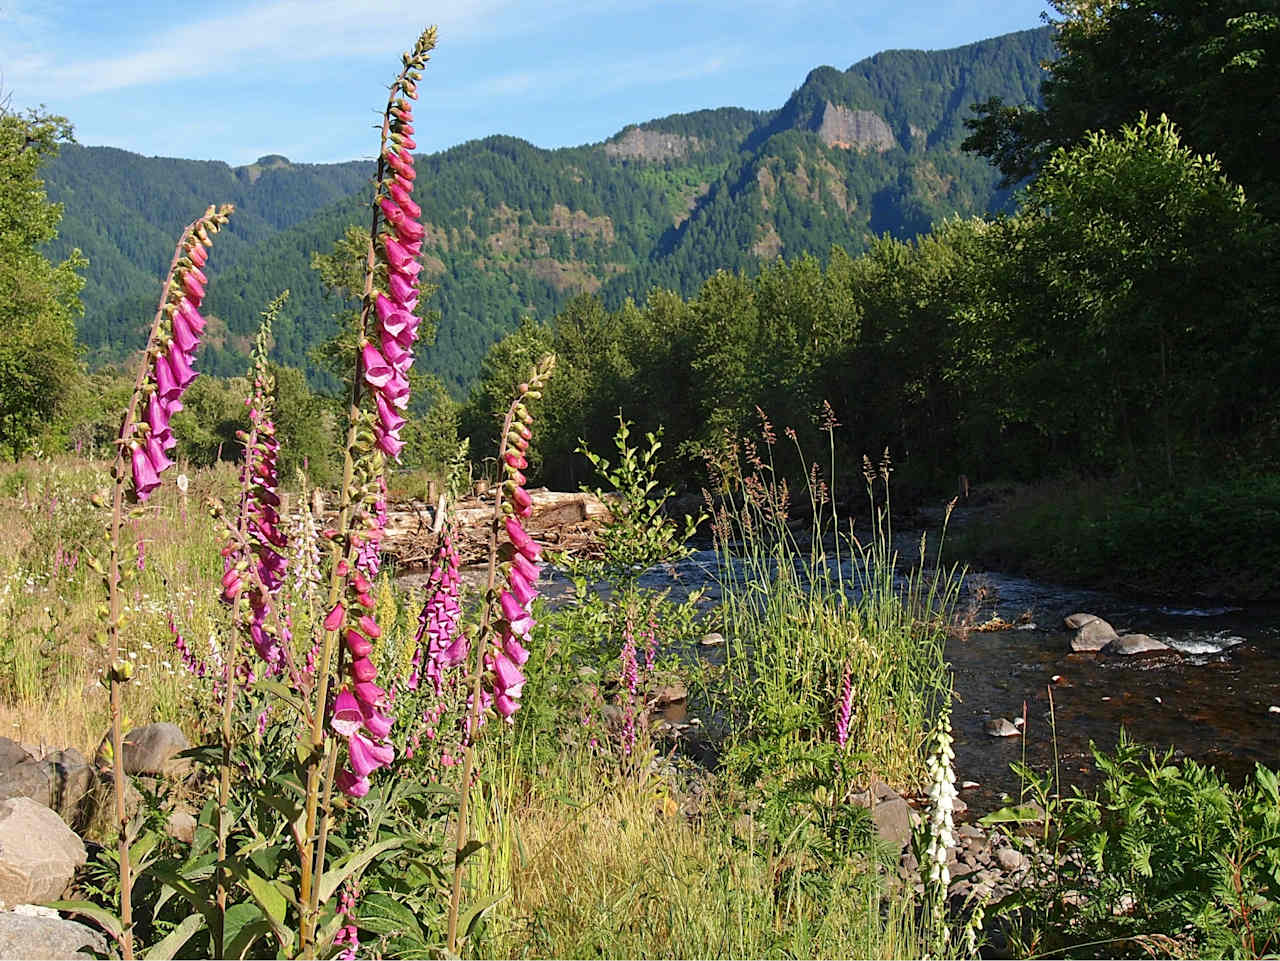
(714, 639)
(1274, 709)
(970, 785)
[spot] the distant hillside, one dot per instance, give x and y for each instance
(513, 229)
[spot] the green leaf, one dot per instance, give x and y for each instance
(165, 950)
(352, 863)
(473, 916)
(105, 919)
(247, 934)
(1014, 814)
(383, 915)
(284, 693)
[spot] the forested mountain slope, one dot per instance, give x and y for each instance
(514, 230)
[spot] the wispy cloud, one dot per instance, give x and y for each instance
(282, 31)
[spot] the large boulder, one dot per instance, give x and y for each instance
(153, 749)
(63, 782)
(25, 936)
(1092, 635)
(1135, 644)
(889, 811)
(39, 854)
(11, 753)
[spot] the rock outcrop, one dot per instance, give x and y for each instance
(855, 129)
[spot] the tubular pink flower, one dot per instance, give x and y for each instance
(347, 716)
(183, 375)
(335, 617)
(521, 541)
(193, 286)
(516, 460)
(366, 756)
(198, 254)
(512, 609)
(397, 256)
(506, 706)
(524, 591)
(528, 570)
(389, 444)
(507, 675)
(192, 316)
(166, 384)
(352, 785)
(377, 372)
(379, 725)
(145, 478)
(844, 709)
(401, 289)
(370, 696)
(363, 669)
(183, 336)
(357, 644)
(514, 649)
(370, 627)
(387, 415)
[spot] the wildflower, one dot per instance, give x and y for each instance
(170, 353)
(438, 621)
(844, 709)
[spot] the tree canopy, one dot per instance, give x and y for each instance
(39, 302)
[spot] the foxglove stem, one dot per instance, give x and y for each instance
(321, 764)
(530, 390)
(195, 235)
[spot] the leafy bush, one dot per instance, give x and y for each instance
(1166, 858)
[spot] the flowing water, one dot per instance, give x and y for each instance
(1214, 697)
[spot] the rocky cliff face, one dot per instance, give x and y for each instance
(854, 129)
(651, 145)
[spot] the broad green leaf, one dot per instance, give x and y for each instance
(352, 863)
(165, 949)
(473, 915)
(108, 921)
(383, 915)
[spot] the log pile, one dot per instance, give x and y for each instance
(561, 521)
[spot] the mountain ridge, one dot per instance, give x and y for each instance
(514, 229)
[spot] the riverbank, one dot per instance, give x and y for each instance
(1214, 539)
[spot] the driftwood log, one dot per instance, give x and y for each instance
(561, 521)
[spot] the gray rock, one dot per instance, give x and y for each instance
(1135, 644)
(182, 826)
(23, 936)
(1093, 635)
(671, 693)
(39, 854)
(1001, 727)
(152, 749)
(714, 639)
(1010, 860)
(959, 808)
(63, 782)
(1076, 621)
(892, 818)
(11, 753)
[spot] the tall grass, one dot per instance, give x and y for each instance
(805, 603)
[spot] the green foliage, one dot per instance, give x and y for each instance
(39, 302)
(1212, 68)
(514, 231)
(1165, 857)
(640, 535)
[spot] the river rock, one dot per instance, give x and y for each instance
(11, 753)
(892, 818)
(39, 854)
(182, 826)
(1001, 727)
(1076, 621)
(1093, 635)
(1010, 860)
(63, 782)
(714, 639)
(671, 693)
(153, 749)
(1135, 644)
(25, 936)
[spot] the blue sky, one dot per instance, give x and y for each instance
(233, 81)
